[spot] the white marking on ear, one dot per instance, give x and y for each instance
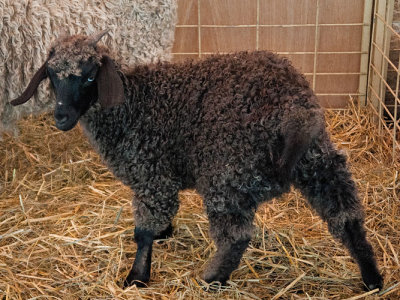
(59, 103)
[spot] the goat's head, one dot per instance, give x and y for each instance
(81, 73)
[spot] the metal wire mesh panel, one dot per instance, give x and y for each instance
(384, 72)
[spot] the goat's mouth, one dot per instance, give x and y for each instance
(66, 125)
(66, 122)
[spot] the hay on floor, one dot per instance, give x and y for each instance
(66, 227)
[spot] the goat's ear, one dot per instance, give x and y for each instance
(32, 86)
(109, 85)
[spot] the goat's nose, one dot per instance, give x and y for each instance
(60, 117)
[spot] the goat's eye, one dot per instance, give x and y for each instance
(90, 79)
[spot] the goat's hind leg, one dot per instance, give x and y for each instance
(298, 136)
(323, 177)
(153, 221)
(231, 231)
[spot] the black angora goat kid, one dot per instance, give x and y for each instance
(239, 128)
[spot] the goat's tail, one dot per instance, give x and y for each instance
(299, 130)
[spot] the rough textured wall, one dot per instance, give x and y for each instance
(140, 31)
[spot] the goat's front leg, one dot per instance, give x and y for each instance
(153, 217)
(140, 272)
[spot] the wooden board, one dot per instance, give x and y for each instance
(323, 38)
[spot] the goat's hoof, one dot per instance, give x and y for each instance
(136, 279)
(373, 281)
(215, 281)
(138, 283)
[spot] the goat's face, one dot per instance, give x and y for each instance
(81, 74)
(74, 94)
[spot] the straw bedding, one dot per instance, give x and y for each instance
(66, 227)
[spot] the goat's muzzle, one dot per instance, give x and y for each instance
(66, 117)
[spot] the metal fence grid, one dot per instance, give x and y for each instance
(384, 73)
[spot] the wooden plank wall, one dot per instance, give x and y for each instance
(321, 37)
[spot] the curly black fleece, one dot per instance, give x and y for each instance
(221, 123)
(240, 128)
